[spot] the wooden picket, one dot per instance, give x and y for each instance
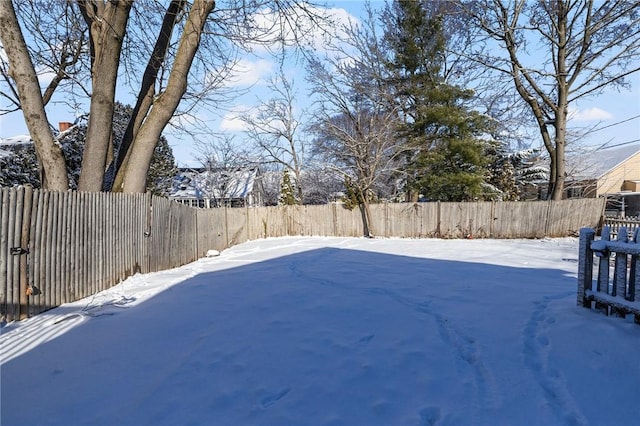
(615, 294)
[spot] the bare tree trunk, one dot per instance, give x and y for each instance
(298, 174)
(553, 171)
(107, 24)
(164, 107)
(115, 174)
(54, 171)
(562, 102)
(587, 46)
(365, 211)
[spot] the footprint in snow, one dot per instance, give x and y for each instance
(269, 400)
(429, 416)
(367, 339)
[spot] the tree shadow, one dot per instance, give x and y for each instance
(279, 341)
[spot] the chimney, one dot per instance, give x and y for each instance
(64, 125)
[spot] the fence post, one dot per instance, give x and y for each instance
(25, 289)
(15, 228)
(548, 218)
(334, 214)
(492, 219)
(620, 268)
(603, 263)
(585, 265)
(634, 271)
(438, 233)
(226, 226)
(247, 221)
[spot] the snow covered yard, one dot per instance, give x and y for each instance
(332, 331)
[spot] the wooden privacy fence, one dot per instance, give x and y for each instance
(533, 219)
(60, 247)
(614, 294)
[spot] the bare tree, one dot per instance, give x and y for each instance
(21, 70)
(355, 124)
(361, 145)
(275, 129)
(107, 23)
(57, 44)
(555, 53)
(166, 103)
(189, 53)
(222, 161)
(221, 151)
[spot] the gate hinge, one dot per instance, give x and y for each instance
(17, 251)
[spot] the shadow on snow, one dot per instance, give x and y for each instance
(319, 337)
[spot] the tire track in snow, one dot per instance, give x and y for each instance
(536, 348)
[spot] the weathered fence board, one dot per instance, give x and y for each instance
(348, 223)
(566, 216)
(211, 230)
(236, 229)
(515, 219)
(465, 220)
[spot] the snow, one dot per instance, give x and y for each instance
(332, 331)
(16, 140)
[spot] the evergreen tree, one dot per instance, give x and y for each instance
(287, 190)
(351, 198)
(501, 178)
(162, 169)
(446, 159)
(21, 168)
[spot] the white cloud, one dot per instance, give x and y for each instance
(590, 114)
(271, 27)
(247, 73)
(231, 120)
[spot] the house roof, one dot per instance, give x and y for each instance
(16, 140)
(8, 146)
(218, 184)
(596, 163)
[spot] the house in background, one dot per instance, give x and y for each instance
(611, 172)
(14, 144)
(199, 187)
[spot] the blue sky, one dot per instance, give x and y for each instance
(618, 113)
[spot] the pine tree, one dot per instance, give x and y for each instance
(287, 190)
(501, 177)
(351, 198)
(446, 159)
(162, 169)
